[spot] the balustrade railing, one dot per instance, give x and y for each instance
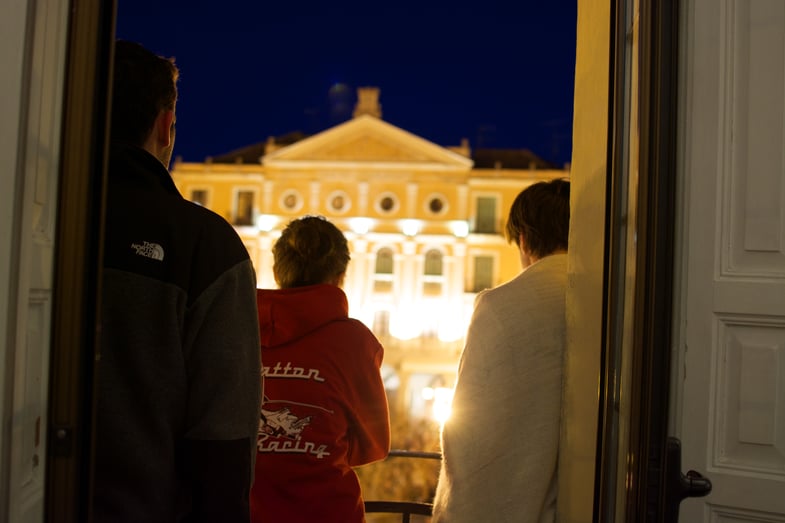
(406, 509)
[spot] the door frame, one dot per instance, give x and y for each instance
(78, 263)
(659, 64)
(77, 266)
(648, 276)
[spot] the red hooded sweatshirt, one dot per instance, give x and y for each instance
(324, 408)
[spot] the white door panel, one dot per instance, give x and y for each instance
(733, 337)
(32, 214)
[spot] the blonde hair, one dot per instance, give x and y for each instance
(311, 250)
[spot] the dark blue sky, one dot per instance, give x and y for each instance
(499, 73)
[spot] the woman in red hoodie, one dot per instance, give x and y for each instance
(324, 408)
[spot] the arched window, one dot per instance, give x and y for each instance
(383, 277)
(433, 273)
(433, 263)
(384, 261)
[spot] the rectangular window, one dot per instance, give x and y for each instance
(483, 273)
(199, 196)
(486, 215)
(382, 286)
(384, 261)
(383, 272)
(244, 215)
(433, 263)
(432, 289)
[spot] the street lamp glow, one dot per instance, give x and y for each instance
(460, 228)
(360, 225)
(405, 325)
(266, 222)
(410, 227)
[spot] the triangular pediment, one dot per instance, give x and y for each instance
(369, 141)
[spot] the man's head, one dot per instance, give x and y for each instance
(539, 221)
(144, 95)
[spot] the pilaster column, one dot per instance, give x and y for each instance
(313, 201)
(360, 279)
(264, 269)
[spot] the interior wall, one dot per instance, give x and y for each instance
(586, 258)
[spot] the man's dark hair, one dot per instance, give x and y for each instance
(143, 85)
(310, 250)
(541, 212)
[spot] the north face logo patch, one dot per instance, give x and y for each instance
(149, 250)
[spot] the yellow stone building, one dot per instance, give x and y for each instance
(425, 225)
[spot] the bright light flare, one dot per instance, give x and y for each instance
(266, 222)
(441, 398)
(451, 328)
(410, 227)
(460, 228)
(360, 225)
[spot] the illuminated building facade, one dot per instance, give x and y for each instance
(424, 223)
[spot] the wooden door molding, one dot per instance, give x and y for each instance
(658, 59)
(78, 260)
(631, 456)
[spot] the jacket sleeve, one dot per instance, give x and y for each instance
(369, 426)
(223, 365)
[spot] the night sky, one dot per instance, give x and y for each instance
(499, 73)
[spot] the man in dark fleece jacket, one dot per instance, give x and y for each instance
(178, 378)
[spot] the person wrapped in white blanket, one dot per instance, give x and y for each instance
(500, 444)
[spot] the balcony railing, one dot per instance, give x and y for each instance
(406, 509)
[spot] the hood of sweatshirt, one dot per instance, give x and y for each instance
(286, 315)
